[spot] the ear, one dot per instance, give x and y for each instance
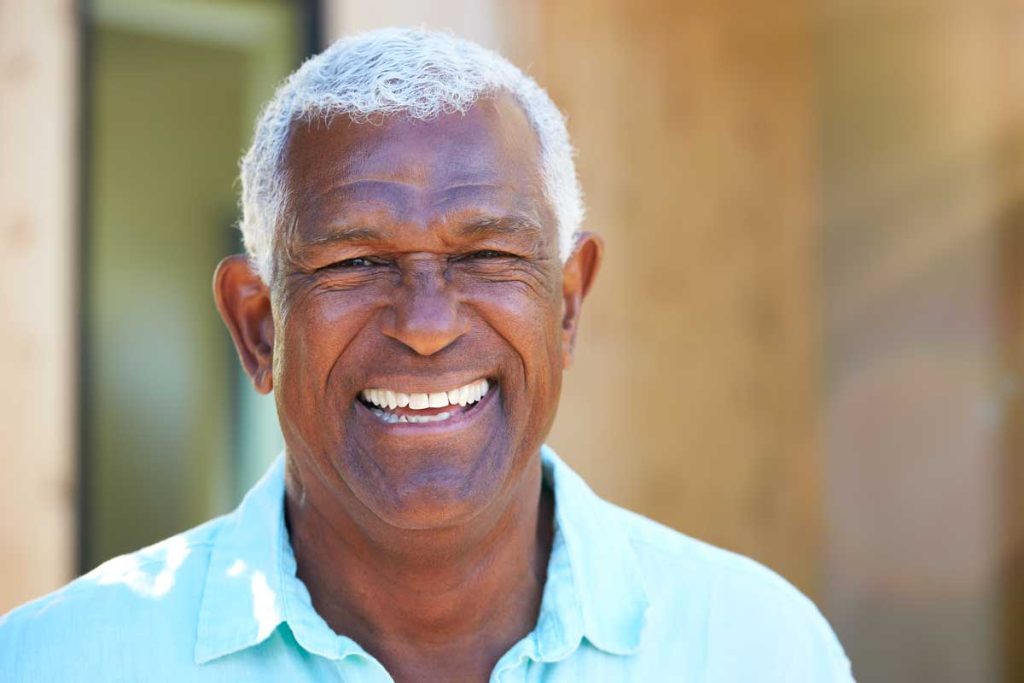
(578, 275)
(243, 300)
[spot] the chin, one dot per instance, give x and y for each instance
(434, 499)
(428, 489)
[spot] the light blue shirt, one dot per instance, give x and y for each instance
(625, 600)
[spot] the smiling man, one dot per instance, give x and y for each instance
(411, 292)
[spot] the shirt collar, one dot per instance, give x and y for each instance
(242, 598)
(602, 566)
(594, 588)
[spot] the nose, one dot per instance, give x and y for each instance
(425, 315)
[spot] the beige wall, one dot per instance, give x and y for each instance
(37, 320)
(693, 400)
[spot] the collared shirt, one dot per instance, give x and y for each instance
(625, 600)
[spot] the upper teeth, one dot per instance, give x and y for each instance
(388, 398)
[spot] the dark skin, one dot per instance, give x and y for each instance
(419, 256)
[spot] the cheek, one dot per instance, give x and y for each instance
(532, 328)
(311, 340)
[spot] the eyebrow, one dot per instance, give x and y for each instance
(484, 227)
(502, 225)
(345, 235)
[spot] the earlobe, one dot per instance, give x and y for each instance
(577, 278)
(243, 300)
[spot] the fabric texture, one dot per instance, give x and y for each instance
(626, 599)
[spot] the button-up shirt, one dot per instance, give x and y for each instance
(625, 600)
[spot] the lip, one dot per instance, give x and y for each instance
(454, 423)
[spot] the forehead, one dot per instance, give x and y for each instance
(486, 159)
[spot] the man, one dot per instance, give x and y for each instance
(411, 295)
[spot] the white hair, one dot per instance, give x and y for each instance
(413, 72)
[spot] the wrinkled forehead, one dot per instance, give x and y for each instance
(490, 154)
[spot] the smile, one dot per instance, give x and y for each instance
(394, 407)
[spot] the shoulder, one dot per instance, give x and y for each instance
(145, 601)
(734, 606)
(664, 553)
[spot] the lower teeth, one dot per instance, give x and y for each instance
(392, 418)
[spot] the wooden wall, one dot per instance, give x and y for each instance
(38, 343)
(694, 397)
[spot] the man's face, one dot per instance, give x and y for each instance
(422, 266)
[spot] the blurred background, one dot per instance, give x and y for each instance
(806, 343)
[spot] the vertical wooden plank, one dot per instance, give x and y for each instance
(693, 399)
(37, 266)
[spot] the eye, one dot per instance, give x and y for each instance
(488, 254)
(358, 262)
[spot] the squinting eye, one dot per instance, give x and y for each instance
(354, 263)
(487, 253)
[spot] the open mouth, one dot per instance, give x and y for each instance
(396, 407)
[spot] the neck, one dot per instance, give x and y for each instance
(440, 603)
